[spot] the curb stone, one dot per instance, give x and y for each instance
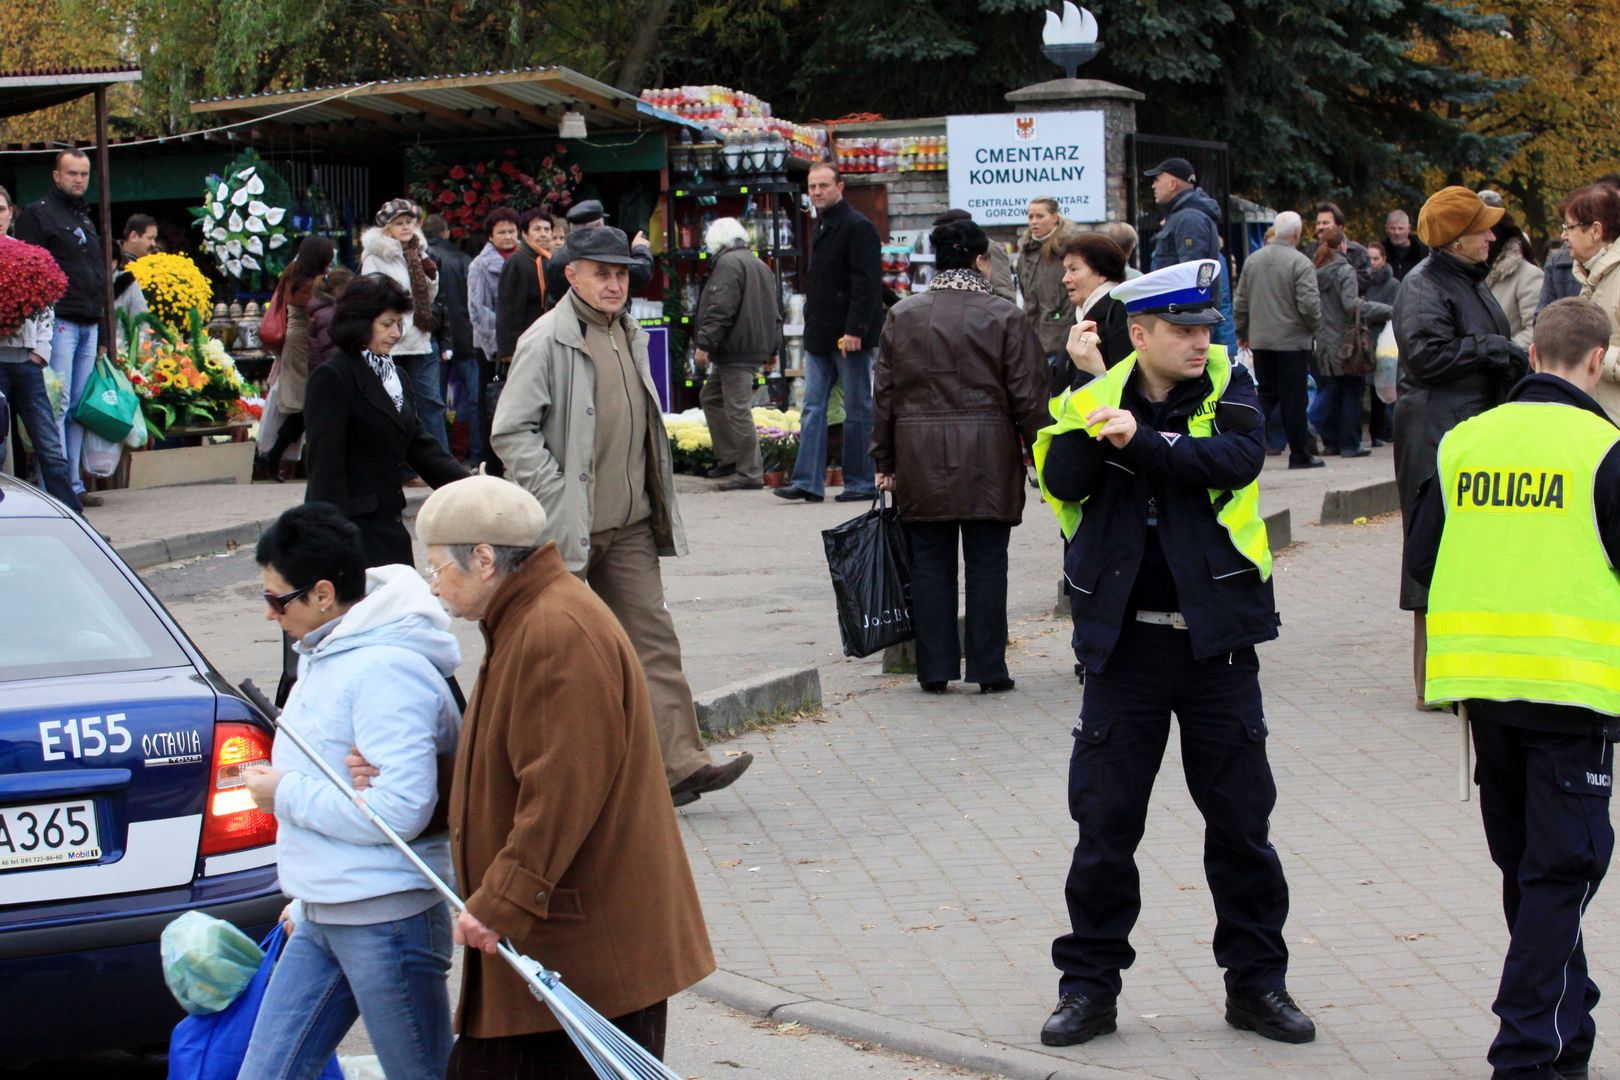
(773, 1003)
(145, 554)
(1369, 500)
(727, 710)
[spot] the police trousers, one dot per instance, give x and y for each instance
(1544, 798)
(1118, 745)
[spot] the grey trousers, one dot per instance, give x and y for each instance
(623, 571)
(725, 398)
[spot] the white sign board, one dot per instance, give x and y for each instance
(999, 163)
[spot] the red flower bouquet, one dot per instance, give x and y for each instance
(466, 192)
(30, 282)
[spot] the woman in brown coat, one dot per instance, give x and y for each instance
(959, 392)
(562, 832)
(1040, 276)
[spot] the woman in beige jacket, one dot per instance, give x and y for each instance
(1591, 225)
(1515, 280)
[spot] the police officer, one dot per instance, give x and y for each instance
(1151, 470)
(1517, 537)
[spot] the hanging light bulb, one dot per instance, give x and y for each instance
(573, 125)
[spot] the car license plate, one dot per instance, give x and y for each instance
(48, 833)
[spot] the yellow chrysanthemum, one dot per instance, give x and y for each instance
(173, 287)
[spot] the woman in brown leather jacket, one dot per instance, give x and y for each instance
(960, 391)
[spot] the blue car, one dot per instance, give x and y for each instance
(122, 801)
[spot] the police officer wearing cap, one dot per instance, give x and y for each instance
(1517, 537)
(1151, 469)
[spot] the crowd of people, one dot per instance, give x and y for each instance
(1148, 403)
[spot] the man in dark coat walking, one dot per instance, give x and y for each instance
(454, 334)
(738, 326)
(842, 320)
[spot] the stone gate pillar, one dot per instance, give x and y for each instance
(1118, 106)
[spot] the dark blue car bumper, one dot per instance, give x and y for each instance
(93, 979)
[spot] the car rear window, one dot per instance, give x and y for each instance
(65, 609)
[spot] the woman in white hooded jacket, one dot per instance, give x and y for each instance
(370, 937)
(396, 249)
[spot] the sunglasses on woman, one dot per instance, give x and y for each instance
(278, 604)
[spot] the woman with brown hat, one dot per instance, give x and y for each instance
(1457, 355)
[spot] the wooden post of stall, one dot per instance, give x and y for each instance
(111, 325)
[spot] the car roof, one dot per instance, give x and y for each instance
(23, 500)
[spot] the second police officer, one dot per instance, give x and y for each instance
(1151, 470)
(1517, 537)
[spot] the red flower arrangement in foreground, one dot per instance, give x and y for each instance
(30, 282)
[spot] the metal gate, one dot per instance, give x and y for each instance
(1211, 162)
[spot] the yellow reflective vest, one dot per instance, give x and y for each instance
(1237, 511)
(1524, 605)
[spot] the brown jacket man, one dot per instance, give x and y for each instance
(562, 830)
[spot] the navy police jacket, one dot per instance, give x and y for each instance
(1220, 593)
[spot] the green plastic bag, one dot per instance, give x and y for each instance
(207, 962)
(109, 405)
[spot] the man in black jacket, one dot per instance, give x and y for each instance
(1401, 248)
(739, 323)
(1171, 590)
(843, 319)
(61, 224)
(1545, 771)
(453, 332)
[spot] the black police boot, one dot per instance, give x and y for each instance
(1077, 1019)
(1272, 1015)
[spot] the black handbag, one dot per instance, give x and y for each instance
(870, 561)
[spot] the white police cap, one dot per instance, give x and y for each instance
(1178, 294)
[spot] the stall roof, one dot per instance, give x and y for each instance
(490, 103)
(31, 89)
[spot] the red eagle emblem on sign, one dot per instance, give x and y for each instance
(1025, 126)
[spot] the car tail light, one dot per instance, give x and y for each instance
(231, 822)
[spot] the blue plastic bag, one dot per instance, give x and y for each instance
(212, 1047)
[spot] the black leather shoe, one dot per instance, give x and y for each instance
(1308, 463)
(1272, 1015)
(1360, 451)
(1000, 686)
(720, 472)
(934, 687)
(1078, 1019)
(709, 778)
(791, 493)
(855, 496)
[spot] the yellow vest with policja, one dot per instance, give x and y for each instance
(1524, 605)
(1237, 511)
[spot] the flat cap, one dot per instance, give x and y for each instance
(1454, 212)
(481, 510)
(586, 212)
(600, 243)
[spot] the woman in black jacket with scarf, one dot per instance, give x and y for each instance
(1457, 359)
(362, 427)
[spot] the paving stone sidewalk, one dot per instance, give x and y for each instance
(905, 855)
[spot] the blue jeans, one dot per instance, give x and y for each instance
(421, 372)
(73, 358)
(23, 385)
(465, 373)
(1336, 412)
(852, 371)
(392, 974)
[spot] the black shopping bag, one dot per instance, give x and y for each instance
(870, 562)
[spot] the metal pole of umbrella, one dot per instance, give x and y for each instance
(611, 1053)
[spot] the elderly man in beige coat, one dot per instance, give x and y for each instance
(579, 426)
(1276, 311)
